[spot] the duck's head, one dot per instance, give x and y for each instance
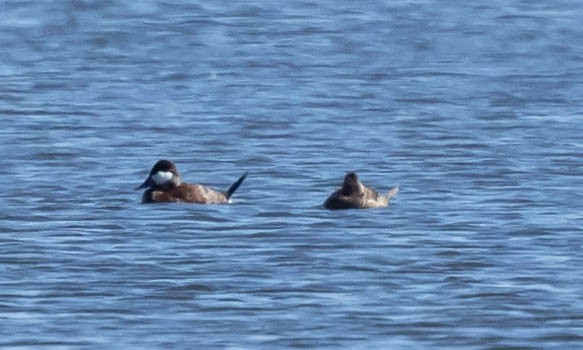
(351, 184)
(163, 175)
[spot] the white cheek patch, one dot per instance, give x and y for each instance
(162, 177)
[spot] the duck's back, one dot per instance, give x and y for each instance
(187, 193)
(372, 199)
(366, 199)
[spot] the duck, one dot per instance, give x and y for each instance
(355, 195)
(164, 184)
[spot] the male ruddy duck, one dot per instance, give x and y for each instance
(164, 184)
(355, 195)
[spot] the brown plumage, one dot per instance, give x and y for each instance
(355, 195)
(164, 184)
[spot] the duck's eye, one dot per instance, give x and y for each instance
(162, 177)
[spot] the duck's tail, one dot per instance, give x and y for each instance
(392, 192)
(235, 186)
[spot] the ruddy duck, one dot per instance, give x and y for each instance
(355, 195)
(164, 184)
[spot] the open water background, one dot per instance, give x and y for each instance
(473, 108)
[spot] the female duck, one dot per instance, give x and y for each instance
(355, 195)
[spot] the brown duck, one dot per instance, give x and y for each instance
(164, 184)
(355, 195)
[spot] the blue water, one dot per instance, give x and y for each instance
(474, 110)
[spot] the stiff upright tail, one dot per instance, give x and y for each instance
(235, 185)
(392, 192)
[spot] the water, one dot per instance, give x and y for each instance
(473, 109)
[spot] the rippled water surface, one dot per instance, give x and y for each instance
(475, 111)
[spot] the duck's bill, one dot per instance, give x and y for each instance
(146, 184)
